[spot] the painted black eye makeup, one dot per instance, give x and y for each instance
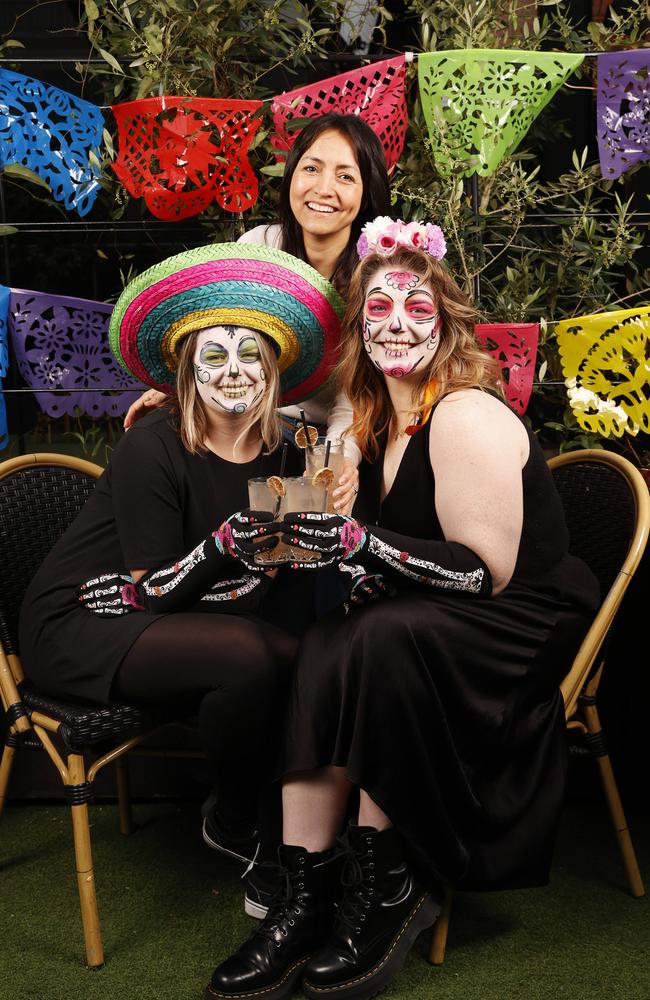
(213, 355)
(248, 350)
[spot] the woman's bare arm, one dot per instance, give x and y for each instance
(478, 448)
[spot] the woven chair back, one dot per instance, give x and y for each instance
(600, 514)
(37, 504)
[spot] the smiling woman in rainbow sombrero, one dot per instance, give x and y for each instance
(229, 332)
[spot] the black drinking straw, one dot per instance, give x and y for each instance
(328, 445)
(283, 462)
(304, 424)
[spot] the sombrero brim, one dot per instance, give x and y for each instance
(230, 284)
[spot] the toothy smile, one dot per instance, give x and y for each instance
(396, 348)
(315, 207)
(235, 391)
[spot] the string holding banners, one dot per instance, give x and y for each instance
(375, 93)
(53, 134)
(180, 154)
(623, 110)
(480, 103)
(514, 346)
(606, 365)
(61, 343)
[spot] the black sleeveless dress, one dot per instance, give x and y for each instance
(444, 707)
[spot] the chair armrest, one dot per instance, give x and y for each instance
(11, 699)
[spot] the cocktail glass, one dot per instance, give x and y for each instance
(300, 495)
(315, 460)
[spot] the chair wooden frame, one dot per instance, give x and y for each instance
(579, 687)
(77, 778)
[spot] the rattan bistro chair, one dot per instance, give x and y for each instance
(40, 495)
(607, 510)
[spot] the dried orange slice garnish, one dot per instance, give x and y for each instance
(276, 486)
(301, 438)
(324, 477)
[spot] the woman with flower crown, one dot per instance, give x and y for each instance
(437, 711)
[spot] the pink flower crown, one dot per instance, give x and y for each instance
(384, 235)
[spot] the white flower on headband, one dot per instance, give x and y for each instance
(384, 235)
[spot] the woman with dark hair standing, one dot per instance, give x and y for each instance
(335, 180)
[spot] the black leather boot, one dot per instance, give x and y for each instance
(268, 964)
(382, 911)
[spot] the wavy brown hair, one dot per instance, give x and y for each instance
(193, 422)
(459, 362)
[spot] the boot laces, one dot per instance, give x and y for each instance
(282, 904)
(357, 878)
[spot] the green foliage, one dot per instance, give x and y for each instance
(533, 247)
(198, 48)
(95, 441)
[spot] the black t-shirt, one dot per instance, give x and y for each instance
(154, 503)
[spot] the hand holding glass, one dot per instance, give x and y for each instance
(300, 495)
(315, 460)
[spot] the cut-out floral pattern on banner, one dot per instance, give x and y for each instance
(181, 153)
(62, 343)
(51, 133)
(623, 110)
(514, 345)
(4, 362)
(480, 103)
(606, 365)
(375, 93)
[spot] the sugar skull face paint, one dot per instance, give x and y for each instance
(228, 368)
(401, 324)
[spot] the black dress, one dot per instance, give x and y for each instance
(153, 504)
(443, 707)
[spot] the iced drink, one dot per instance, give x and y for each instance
(300, 495)
(315, 460)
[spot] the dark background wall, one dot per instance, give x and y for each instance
(57, 252)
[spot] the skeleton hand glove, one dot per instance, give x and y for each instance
(244, 534)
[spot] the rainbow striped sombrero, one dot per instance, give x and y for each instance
(230, 284)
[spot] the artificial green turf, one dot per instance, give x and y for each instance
(171, 909)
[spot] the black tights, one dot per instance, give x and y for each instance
(234, 672)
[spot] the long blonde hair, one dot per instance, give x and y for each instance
(459, 362)
(191, 410)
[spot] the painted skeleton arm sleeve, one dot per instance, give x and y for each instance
(203, 577)
(203, 580)
(446, 565)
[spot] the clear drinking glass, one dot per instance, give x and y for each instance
(315, 460)
(300, 495)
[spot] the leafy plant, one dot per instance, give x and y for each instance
(528, 248)
(526, 244)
